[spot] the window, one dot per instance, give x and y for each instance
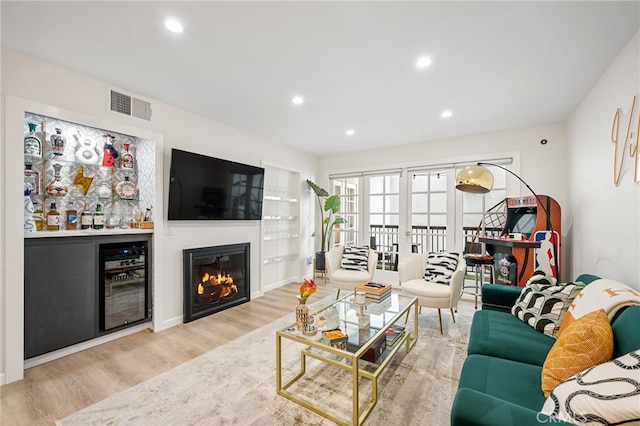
(348, 190)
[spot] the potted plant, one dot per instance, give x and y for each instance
(329, 206)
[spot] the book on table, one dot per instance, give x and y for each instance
(374, 289)
(394, 333)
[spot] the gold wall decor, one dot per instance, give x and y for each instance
(626, 144)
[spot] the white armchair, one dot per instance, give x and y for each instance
(345, 279)
(431, 294)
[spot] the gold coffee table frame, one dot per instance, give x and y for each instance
(350, 360)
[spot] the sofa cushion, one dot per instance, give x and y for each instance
(606, 393)
(588, 341)
(502, 335)
(355, 258)
(624, 325)
(512, 381)
(543, 306)
(440, 267)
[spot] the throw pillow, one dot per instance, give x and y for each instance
(543, 307)
(587, 341)
(355, 258)
(604, 394)
(540, 276)
(440, 267)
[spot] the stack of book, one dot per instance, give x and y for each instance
(375, 291)
(393, 334)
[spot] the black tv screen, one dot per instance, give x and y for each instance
(208, 188)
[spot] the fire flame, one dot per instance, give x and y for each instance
(223, 283)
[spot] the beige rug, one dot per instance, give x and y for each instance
(235, 384)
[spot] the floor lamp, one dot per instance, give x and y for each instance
(477, 179)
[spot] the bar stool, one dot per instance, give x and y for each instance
(479, 263)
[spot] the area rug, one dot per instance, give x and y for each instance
(235, 383)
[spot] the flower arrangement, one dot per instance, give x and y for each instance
(307, 288)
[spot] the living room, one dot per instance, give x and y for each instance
(601, 233)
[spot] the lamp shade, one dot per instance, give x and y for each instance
(475, 179)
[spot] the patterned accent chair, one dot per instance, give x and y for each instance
(342, 277)
(432, 294)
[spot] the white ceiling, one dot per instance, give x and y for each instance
(496, 65)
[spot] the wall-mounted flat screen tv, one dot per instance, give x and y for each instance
(208, 188)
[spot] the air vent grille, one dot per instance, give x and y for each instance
(120, 103)
(127, 105)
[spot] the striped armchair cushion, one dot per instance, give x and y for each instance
(440, 267)
(355, 258)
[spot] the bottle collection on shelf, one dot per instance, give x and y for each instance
(119, 196)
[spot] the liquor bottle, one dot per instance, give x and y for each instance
(86, 219)
(53, 218)
(72, 217)
(127, 161)
(32, 178)
(32, 145)
(57, 188)
(38, 215)
(98, 218)
(126, 189)
(58, 142)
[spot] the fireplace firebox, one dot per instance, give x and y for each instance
(215, 278)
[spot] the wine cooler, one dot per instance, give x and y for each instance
(124, 284)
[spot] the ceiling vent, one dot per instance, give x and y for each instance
(128, 105)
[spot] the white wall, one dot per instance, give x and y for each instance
(541, 166)
(604, 218)
(33, 80)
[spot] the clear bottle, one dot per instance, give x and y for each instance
(127, 161)
(98, 218)
(32, 178)
(32, 145)
(53, 218)
(86, 219)
(72, 217)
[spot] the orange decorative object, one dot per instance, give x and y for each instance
(307, 288)
(82, 180)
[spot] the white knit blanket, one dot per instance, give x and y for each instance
(606, 294)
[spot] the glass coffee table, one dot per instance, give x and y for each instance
(364, 353)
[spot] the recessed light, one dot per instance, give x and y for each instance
(298, 100)
(446, 114)
(173, 26)
(423, 62)
(350, 132)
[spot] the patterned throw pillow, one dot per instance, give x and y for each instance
(544, 306)
(540, 276)
(440, 267)
(588, 341)
(355, 258)
(604, 394)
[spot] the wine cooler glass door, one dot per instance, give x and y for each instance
(124, 285)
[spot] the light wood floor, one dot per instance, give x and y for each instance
(58, 388)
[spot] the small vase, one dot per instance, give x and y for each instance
(302, 312)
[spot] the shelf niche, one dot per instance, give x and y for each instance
(80, 138)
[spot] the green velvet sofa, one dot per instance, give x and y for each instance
(500, 382)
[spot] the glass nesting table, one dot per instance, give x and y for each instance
(366, 326)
